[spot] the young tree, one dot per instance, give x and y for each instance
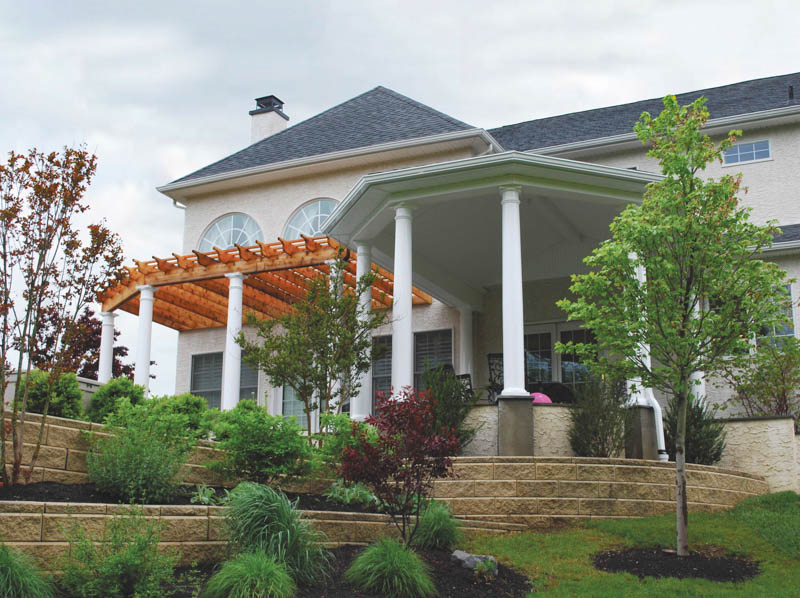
(320, 349)
(705, 294)
(49, 271)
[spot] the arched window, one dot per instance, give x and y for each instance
(230, 230)
(308, 220)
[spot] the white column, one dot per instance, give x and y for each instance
(361, 406)
(465, 340)
(336, 288)
(513, 320)
(105, 369)
(141, 373)
(232, 361)
(402, 327)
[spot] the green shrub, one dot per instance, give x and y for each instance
(20, 578)
(66, 398)
(141, 460)
(437, 528)
(452, 403)
(125, 563)
(351, 494)
(262, 519)
(104, 400)
(191, 407)
(705, 437)
(258, 446)
(598, 419)
(251, 575)
(389, 569)
(340, 433)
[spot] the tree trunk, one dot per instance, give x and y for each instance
(682, 510)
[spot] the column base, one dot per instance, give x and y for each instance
(640, 434)
(515, 425)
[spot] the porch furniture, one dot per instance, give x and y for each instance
(495, 376)
(466, 382)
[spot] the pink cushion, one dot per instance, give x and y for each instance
(539, 397)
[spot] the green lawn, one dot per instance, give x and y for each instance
(765, 528)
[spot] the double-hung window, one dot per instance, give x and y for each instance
(206, 379)
(778, 332)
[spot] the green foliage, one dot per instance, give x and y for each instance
(598, 419)
(66, 398)
(191, 407)
(258, 446)
(322, 347)
(452, 403)
(204, 495)
(124, 562)
(251, 575)
(437, 529)
(351, 494)
(389, 569)
(104, 400)
(142, 458)
(20, 577)
(341, 434)
(485, 571)
(260, 518)
(705, 437)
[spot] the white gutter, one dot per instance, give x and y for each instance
(308, 160)
(714, 123)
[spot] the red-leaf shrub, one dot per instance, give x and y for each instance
(408, 455)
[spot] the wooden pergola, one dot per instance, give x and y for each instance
(193, 292)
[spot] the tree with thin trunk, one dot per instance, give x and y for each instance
(50, 270)
(706, 293)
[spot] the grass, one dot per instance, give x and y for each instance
(251, 575)
(765, 529)
(389, 569)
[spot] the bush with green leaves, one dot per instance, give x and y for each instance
(452, 403)
(251, 575)
(437, 529)
(389, 569)
(125, 562)
(260, 518)
(598, 419)
(104, 400)
(341, 434)
(191, 407)
(66, 398)
(141, 459)
(705, 436)
(20, 577)
(259, 447)
(351, 494)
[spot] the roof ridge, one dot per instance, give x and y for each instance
(416, 104)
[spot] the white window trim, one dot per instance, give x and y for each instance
(303, 205)
(735, 164)
(225, 215)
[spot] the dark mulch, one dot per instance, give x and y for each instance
(711, 565)
(452, 581)
(88, 493)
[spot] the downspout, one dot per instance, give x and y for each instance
(650, 400)
(177, 204)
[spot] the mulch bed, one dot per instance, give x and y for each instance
(88, 493)
(452, 581)
(711, 565)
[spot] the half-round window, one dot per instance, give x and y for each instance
(230, 230)
(308, 220)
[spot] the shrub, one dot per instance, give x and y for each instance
(341, 434)
(438, 529)
(141, 460)
(66, 398)
(191, 407)
(705, 437)
(598, 419)
(452, 402)
(400, 466)
(258, 446)
(104, 400)
(251, 575)
(260, 518)
(20, 578)
(389, 569)
(125, 563)
(351, 494)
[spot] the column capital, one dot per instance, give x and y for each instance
(235, 276)
(403, 212)
(146, 290)
(108, 316)
(510, 193)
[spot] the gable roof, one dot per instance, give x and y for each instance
(374, 117)
(728, 100)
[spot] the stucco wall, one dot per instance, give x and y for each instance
(765, 446)
(484, 418)
(551, 424)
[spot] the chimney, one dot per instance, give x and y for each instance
(267, 119)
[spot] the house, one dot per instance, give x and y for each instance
(476, 232)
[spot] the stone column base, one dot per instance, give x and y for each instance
(515, 426)
(640, 434)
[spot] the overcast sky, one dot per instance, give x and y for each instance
(158, 89)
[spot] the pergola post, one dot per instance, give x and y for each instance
(465, 341)
(402, 325)
(141, 373)
(105, 369)
(232, 361)
(361, 406)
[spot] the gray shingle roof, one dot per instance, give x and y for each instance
(789, 232)
(375, 117)
(728, 100)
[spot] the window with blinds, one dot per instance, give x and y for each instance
(293, 407)
(206, 379)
